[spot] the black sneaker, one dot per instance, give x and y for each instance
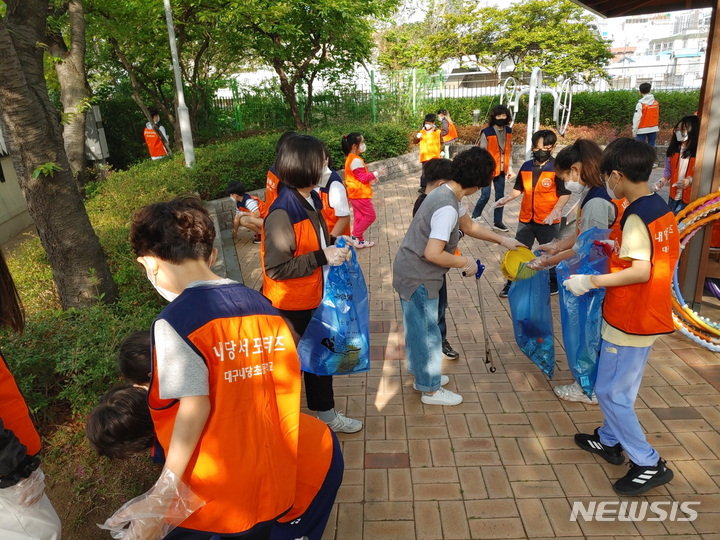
(448, 352)
(553, 288)
(591, 443)
(257, 239)
(501, 227)
(639, 479)
(506, 290)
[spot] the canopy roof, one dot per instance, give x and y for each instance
(624, 8)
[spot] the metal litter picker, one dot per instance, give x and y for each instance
(486, 335)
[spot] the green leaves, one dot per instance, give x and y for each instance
(46, 169)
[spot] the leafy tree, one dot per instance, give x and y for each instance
(305, 40)
(31, 126)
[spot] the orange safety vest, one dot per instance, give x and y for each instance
(452, 133)
(14, 411)
(620, 206)
(261, 205)
(674, 169)
(328, 211)
(500, 155)
(272, 187)
(539, 202)
(154, 143)
(430, 145)
(355, 188)
(315, 453)
(300, 293)
(645, 309)
(650, 116)
(244, 465)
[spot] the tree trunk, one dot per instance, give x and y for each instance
(34, 139)
(290, 94)
(74, 94)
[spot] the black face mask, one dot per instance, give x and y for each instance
(501, 122)
(541, 156)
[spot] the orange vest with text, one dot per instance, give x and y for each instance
(650, 116)
(539, 202)
(328, 211)
(154, 143)
(452, 133)
(301, 293)
(430, 145)
(645, 309)
(244, 464)
(620, 206)
(355, 188)
(503, 155)
(674, 169)
(14, 411)
(272, 187)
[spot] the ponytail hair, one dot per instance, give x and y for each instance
(348, 141)
(588, 154)
(11, 309)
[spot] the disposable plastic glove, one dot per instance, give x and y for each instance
(469, 269)
(336, 256)
(30, 490)
(538, 263)
(579, 284)
(502, 202)
(659, 185)
(550, 248)
(511, 244)
(154, 514)
(553, 217)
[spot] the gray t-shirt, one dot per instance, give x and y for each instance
(598, 212)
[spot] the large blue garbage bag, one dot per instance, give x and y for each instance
(532, 319)
(337, 340)
(581, 316)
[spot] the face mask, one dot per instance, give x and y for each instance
(428, 127)
(501, 122)
(325, 176)
(574, 187)
(541, 156)
(611, 191)
(681, 136)
(362, 148)
(167, 295)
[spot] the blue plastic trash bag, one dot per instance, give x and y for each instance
(532, 319)
(581, 316)
(337, 340)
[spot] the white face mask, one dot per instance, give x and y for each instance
(362, 147)
(325, 176)
(428, 127)
(611, 191)
(681, 136)
(574, 187)
(167, 295)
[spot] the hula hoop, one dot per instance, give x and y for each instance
(714, 289)
(690, 323)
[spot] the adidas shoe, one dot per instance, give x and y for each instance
(640, 479)
(591, 443)
(442, 397)
(574, 392)
(343, 424)
(444, 379)
(500, 226)
(448, 352)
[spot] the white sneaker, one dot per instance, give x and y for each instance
(574, 392)
(343, 424)
(444, 379)
(442, 397)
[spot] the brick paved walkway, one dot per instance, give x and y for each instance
(503, 464)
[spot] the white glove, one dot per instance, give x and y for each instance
(511, 244)
(382, 171)
(550, 248)
(154, 514)
(336, 256)
(538, 263)
(553, 217)
(502, 202)
(579, 284)
(658, 185)
(469, 269)
(419, 135)
(30, 490)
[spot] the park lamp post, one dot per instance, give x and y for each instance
(182, 110)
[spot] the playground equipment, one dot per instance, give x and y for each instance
(512, 91)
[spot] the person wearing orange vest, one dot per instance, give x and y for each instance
(249, 210)
(430, 140)
(578, 165)
(295, 248)
(646, 117)
(448, 131)
(497, 139)
(273, 185)
(155, 136)
(544, 196)
(224, 391)
(25, 510)
(680, 163)
(636, 311)
(333, 194)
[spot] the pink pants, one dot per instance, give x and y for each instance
(364, 216)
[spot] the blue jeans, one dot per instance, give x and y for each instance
(423, 343)
(676, 206)
(499, 184)
(648, 138)
(620, 372)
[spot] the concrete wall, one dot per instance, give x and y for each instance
(14, 216)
